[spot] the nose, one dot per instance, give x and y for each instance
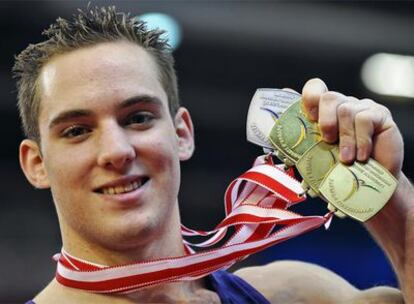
(115, 149)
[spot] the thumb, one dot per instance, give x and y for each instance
(311, 94)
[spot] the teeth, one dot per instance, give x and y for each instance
(128, 187)
(122, 189)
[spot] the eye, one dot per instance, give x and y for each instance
(75, 131)
(139, 118)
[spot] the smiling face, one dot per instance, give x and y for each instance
(110, 149)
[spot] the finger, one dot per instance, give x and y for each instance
(364, 130)
(311, 93)
(375, 117)
(346, 121)
(328, 119)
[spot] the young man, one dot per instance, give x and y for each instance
(99, 105)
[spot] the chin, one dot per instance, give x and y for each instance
(127, 235)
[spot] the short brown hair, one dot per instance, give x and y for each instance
(86, 28)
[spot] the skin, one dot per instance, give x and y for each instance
(108, 141)
(105, 137)
(364, 129)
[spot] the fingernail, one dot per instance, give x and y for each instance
(327, 137)
(361, 154)
(346, 154)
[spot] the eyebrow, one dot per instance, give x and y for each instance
(79, 113)
(139, 99)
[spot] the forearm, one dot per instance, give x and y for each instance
(393, 229)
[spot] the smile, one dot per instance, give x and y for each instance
(121, 188)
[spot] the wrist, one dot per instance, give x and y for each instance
(393, 224)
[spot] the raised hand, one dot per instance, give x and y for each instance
(363, 127)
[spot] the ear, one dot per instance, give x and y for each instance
(185, 133)
(31, 162)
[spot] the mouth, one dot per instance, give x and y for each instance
(122, 186)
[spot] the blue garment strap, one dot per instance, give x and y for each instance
(234, 290)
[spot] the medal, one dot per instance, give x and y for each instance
(293, 134)
(256, 203)
(315, 164)
(265, 109)
(359, 190)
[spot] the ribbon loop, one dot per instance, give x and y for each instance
(255, 204)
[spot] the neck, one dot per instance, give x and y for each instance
(178, 292)
(124, 248)
(97, 254)
(158, 243)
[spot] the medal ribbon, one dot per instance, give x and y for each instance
(255, 203)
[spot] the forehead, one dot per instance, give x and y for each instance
(98, 75)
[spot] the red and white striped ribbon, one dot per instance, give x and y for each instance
(255, 203)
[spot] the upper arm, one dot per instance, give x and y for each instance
(378, 295)
(298, 282)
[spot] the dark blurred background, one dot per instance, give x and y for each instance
(228, 49)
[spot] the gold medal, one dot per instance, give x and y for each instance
(359, 190)
(293, 134)
(315, 164)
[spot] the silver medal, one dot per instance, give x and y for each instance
(265, 108)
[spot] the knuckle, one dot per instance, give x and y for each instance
(328, 126)
(345, 110)
(385, 110)
(363, 117)
(376, 106)
(368, 101)
(347, 134)
(353, 99)
(346, 140)
(364, 142)
(330, 97)
(346, 129)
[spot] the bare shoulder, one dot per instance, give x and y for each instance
(297, 282)
(50, 294)
(54, 293)
(47, 294)
(300, 282)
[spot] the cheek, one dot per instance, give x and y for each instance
(162, 145)
(64, 170)
(163, 157)
(68, 181)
